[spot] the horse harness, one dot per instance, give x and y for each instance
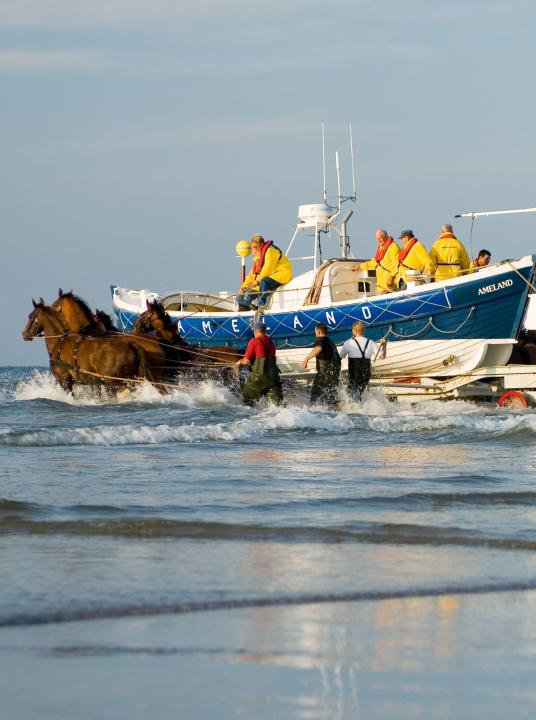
(57, 363)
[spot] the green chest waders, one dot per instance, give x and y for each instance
(263, 380)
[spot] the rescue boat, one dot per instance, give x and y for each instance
(433, 329)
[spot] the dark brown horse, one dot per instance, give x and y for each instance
(78, 317)
(104, 322)
(80, 359)
(157, 320)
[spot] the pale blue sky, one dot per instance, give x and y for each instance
(142, 138)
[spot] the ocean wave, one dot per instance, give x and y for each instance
(461, 420)
(356, 532)
(250, 424)
(68, 615)
(244, 428)
(148, 517)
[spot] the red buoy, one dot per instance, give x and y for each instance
(514, 399)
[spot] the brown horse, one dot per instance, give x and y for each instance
(156, 319)
(80, 359)
(78, 317)
(76, 313)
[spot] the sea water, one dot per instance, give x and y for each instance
(185, 556)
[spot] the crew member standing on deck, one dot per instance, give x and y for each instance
(385, 262)
(413, 256)
(360, 350)
(325, 387)
(449, 255)
(264, 378)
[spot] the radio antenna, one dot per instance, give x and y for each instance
(324, 162)
(338, 168)
(354, 195)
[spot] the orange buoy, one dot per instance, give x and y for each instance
(514, 399)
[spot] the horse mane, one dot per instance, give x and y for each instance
(51, 312)
(83, 304)
(106, 320)
(164, 316)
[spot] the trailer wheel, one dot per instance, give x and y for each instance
(513, 399)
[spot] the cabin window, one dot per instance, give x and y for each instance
(363, 287)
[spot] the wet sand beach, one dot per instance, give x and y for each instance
(448, 656)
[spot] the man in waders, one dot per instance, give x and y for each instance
(263, 380)
(325, 387)
(360, 351)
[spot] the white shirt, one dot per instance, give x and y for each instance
(354, 345)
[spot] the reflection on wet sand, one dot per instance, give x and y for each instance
(396, 658)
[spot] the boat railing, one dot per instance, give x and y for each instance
(360, 287)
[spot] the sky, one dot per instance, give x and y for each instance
(141, 139)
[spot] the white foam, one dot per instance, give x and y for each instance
(42, 385)
(375, 413)
(299, 418)
(270, 420)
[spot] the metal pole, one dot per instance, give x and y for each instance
(324, 162)
(495, 212)
(353, 164)
(338, 167)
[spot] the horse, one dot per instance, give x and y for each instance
(79, 318)
(104, 322)
(76, 313)
(156, 319)
(76, 358)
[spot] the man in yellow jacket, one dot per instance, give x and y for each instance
(385, 262)
(449, 255)
(413, 256)
(271, 269)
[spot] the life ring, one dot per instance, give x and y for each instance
(513, 399)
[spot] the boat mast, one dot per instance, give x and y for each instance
(321, 217)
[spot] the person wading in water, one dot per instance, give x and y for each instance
(325, 387)
(360, 351)
(264, 378)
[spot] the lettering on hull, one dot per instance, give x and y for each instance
(495, 286)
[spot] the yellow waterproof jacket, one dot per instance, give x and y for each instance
(416, 259)
(276, 265)
(449, 256)
(386, 268)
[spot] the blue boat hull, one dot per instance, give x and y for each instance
(479, 308)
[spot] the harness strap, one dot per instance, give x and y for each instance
(362, 350)
(61, 364)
